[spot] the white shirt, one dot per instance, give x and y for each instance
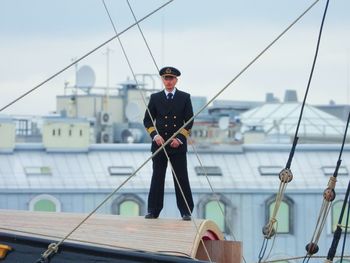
(167, 92)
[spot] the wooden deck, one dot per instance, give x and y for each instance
(162, 235)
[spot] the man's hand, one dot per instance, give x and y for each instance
(159, 140)
(175, 143)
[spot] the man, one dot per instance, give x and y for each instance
(170, 109)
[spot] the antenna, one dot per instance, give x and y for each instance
(162, 38)
(75, 74)
(107, 53)
(106, 101)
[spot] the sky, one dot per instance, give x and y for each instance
(209, 41)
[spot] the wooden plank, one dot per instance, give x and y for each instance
(169, 236)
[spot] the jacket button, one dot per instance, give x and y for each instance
(174, 117)
(166, 117)
(174, 125)
(166, 125)
(166, 133)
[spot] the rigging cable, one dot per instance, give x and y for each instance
(53, 247)
(47, 236)
(191, 142)
(82, 57)
(119, 247)
(143, 36)
(337, 233)
(295, 258)
(215, 195)
(286, 175)
(328, 197)
(149, 113)
(345, 232)
(49, 252)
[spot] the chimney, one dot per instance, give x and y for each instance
(290, 96)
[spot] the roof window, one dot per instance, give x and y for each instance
(120, 170)
(266, 170)
(37, 170)
(329, 170)
(208, 170)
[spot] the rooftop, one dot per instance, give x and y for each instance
(230, 168)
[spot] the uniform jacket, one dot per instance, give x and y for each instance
(169, 116)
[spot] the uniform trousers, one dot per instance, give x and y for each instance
(156, 193)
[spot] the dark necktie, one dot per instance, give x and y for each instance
(169, 96)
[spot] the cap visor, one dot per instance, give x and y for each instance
(171, 75)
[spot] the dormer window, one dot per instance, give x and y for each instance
(208, 170)
(120, 170)
(272, 170)
(329, 170)
(37, 170)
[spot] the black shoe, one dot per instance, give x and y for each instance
(186, 217)
(150, 216)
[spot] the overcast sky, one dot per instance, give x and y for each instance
(209, 41)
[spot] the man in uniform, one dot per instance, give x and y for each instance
(170, 109)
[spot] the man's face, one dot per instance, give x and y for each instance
(169, 82)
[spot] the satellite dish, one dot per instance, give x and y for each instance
(85, 78)
(132, 112)
(224, 122)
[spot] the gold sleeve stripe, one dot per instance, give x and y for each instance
(185, 132)
(151, 129)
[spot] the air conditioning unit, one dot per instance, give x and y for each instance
(105, 118)
(106, 137)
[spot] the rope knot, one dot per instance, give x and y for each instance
(332, 181)
(268, 230)
(329, 194)
(286, 175)
(51, 249)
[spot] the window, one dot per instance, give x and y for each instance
(284, 215)
(208, 170)
(213, 212)
(270, 170)
(128, 205)
(329, 170)
(45, 203)
(200, 133)
(129, 208)
(121, 170)
(209, 208)
(336, 209)
(37, 170)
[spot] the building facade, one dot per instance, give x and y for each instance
(235, 186)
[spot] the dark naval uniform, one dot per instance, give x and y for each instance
(169, 115)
